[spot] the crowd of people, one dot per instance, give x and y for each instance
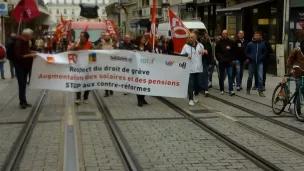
(228, 56)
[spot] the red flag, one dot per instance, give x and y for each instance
(25, 10)
(153, 25)
(179, 32)
(111, 27)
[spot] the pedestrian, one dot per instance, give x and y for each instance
(207, 59)
(10, 53)
(106, 44)
(256, 51)
(225, 56)
(2, 60)
(240, 58)
(194, 51)
(39, 44)
(214, 64)
(83, 44)
(23, 60)
(143, 47)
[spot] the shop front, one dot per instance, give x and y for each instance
(296, 24)
(265, 16)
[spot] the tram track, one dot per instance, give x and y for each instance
(258, 115)
(15, 155)
(250, 155)
(124, 150)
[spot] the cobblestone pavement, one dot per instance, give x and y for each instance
(11, 117)
(172, 144)
(43, 149)
(98, 152)
(267, 149)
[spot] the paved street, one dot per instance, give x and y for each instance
(156, 137)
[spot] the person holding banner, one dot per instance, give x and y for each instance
(194, 50)
(22, 60)
(83, 44)
(143, 47)
(106, 44)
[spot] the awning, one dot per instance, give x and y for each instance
(43, 10)
(238, 7)
(134, 23)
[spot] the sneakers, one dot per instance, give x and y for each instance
(222, 93)
(206, 93)
(77, 102)
(191, 103)
(231, 93)
(195, 99)
(238, 88)
(254, 88)
(261, 94)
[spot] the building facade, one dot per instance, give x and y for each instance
(296, 24)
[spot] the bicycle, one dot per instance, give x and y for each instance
(284, 96)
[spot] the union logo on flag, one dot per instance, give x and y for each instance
(92, 57)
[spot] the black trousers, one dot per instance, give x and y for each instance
(141, 99)
(85, 96)
(195, 84)
(22, 75)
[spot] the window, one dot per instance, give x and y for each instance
(57, 11)
(64, 11)
(57, 1)
(73, 11)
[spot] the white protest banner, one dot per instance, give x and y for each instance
(118, 70)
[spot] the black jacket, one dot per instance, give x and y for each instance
(224, 51)
(207, 58)
(239, 47)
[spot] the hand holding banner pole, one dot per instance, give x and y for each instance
(19, 24)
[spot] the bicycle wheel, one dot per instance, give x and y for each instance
(280, 96)
(299, 106)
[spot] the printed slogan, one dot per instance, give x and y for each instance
(133, 72)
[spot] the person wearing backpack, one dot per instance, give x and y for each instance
(2, 60)
(10, 52)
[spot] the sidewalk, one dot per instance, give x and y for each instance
(7, 75)
(271, 83)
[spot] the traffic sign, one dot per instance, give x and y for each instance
(3, 8)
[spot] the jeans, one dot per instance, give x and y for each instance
(265, 69)
(226, 67)
(22, 74)
(195, 82)
(252, 69)
(85, 96)
(12, 69)
(2, 69)
(205, 76)
(239, 65)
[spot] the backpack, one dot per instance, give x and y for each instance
(10, 46)
(2, 52)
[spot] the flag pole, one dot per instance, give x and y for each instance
(19, 24)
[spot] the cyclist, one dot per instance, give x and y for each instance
(297, 58)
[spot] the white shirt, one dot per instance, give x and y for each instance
(196, 57)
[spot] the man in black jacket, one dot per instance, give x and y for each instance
(240, 58)
(207, 59)
(225, 56)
